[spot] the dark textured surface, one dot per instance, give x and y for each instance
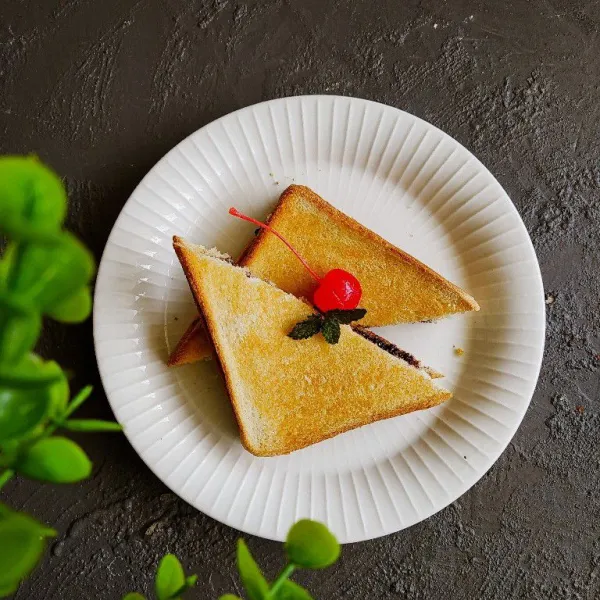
(102, 89)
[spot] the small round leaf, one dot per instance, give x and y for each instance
(32, 197)
(21, 411)
(134, 596)
(54, 459)
(22, 542)
(29, 391)
(169, 577)
(73, 309)
(229, 597)
(311, 545)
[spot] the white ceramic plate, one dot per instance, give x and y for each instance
(409, 182)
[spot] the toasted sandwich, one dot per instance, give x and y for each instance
(288, 394)
(397, 288)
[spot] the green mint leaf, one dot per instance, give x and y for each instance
(22, 543)
(169, 577)
(229, 597)
(311, 545)
(54, 459)
(134, 596)
(292, 591)
(254, 583)
(307, 328)
(92, 425)
(346, 317)
(331, 330)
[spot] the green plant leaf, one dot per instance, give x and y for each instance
(229, 597)
(9, 589)
(190, 581)
(92, 425)
(21, 411)
(134, 596)
(254, 583)
(292, 591)
(74, 309)
(311, 545)
(307, 328)
(54, 273)
(32, 197)
(54, 459)
(169, 577)
(331, 330)
(346, 316)
(30, 391)
(18, 334)
(22, 543)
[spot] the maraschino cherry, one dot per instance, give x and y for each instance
(338, 289)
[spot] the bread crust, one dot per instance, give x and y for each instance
(182, 253)
(192, 346)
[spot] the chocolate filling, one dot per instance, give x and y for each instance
(387, 346)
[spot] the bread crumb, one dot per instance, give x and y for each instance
(579, 409)
(458, 351)
(550, 299)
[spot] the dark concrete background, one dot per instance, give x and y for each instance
(102, 89)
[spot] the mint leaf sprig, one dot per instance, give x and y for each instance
(326, 323)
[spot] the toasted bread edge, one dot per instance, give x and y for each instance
(182, 249)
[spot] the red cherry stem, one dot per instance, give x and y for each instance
(236, 213)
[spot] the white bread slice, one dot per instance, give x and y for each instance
(288, 394)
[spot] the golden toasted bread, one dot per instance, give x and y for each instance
(397, 288)
(288, 394)
(193, 346)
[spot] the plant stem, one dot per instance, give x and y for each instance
(6, 476)
(79, 399)
(283, 576)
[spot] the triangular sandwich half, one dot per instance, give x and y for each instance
(397, 288)
(288, 394)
